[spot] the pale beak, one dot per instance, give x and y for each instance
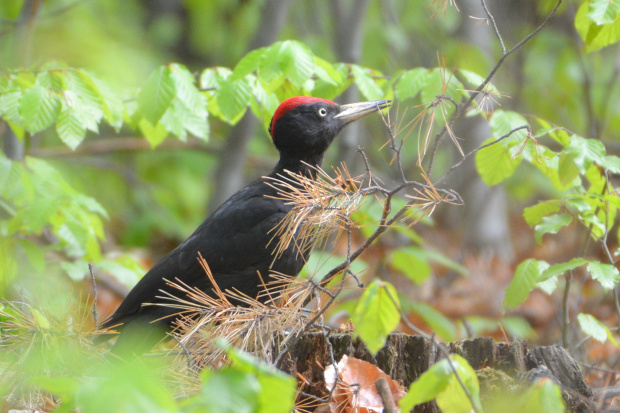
(353, 111)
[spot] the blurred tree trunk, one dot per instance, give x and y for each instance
(348, 38)
(14, 148)
(229, 175)
(486, 218)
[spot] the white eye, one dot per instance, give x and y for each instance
(323, 112)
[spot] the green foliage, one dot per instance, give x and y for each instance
(592, 327)
(440, 382)
(55, 358)
(169, 102)
(415, 263)
(525, 279)
(249, 385)
(598, 23)
(439, 323)
(74, 100)
(376, 314)
(540, 397)
(498, 162)
(606, 274)
(37, 198)
(43, 210)
(533, 273)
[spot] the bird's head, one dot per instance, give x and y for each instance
(303, 127)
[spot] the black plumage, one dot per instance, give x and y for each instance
(236, 240)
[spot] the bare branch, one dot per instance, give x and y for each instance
(492, 19)
(463, 107)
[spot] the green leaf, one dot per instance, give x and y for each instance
(233, 97)
(83, 96)
(111, 103)
(9, 106)
(327, 72)
(329, 89)
(174, 120)
(454, 399)
(197, 125)
(551, 224)
(270, 66)
(534, 214)
(133, 387)
(548, 281)
(567, 168)
(561, 268)
(578, 204)
(606, 274)
(49, 80)
(70, 128)
(376, 315)
(40, 319)
(495, 164)
(439, 81)
(124, 269)
(591, 326)
(10, 9)
(611, 163)
(156, 94)
(557, 133)
(278, 390)
(544, 396)
(154, 134)
(499, 161)
(596, 36)
(603, 11)
(227, 391)
(365, 83)
(475, 80)
(526, 276)
(34, 253)
(186, 90)
(414, 262)
(76, 270)
(410, 83)
(439, 323)
(297, 62)
(585, 151)
(248, 64)
(38, 108)
(440, 382)
(408, 261)
(503, 122)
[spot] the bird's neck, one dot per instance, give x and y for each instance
(306, 166)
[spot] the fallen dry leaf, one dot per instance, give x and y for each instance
(355, 391)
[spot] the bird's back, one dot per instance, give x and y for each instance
(236, 242)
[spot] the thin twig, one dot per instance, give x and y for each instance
(565, 309)
(462, 108)
(94, 310)
(383, 388)
(501, 138)
(492, 19)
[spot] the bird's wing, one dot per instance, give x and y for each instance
(233, 241)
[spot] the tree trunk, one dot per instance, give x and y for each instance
(230, 173)
(404, 358)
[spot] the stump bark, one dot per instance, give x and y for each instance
(405, 358)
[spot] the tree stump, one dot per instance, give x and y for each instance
(405, 358)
